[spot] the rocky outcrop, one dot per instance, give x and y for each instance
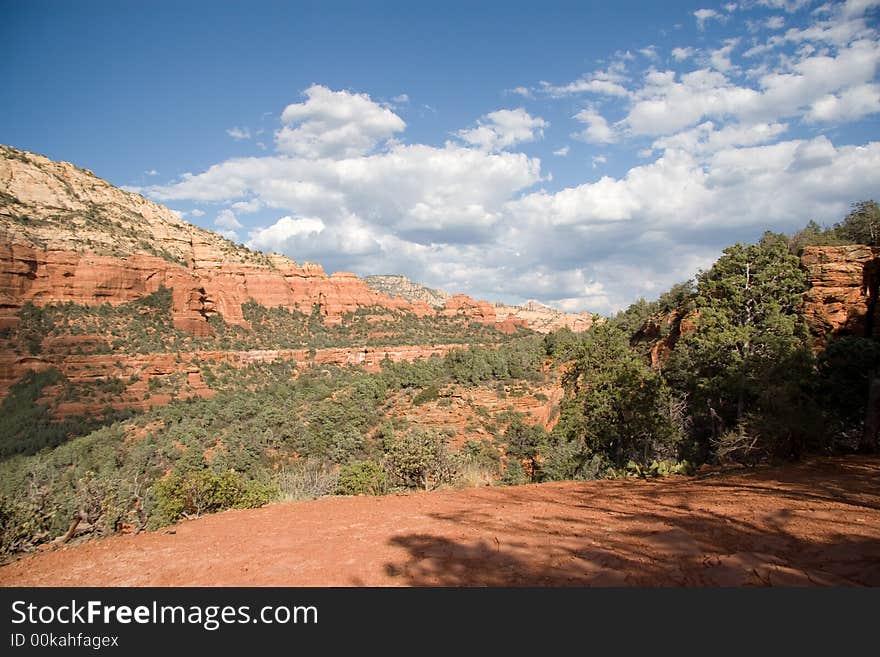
(843, 292)
(532, 314)
(395, 285)
(544, 319)
(663, 331)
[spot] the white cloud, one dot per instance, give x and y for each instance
(789, 6)
(703, 16)
(151, 172)
(402, 99)
(720, 58)
(335, 124)
(239, 134)
(197, 213)
(231, 235)
(248, 207)
(467, 216)
(849, 105)
(504, 128)
(650, 52)
(597, 131)
(606, 82)
(774, 22)
(226, 219)
(669, 102)
(680, 54)
(525, 92)
(278, 235)
(706, 138)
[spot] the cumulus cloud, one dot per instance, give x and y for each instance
(525, 92)
(703, 16)
(335, 124)
(720, 58)
(725, 151)
(848, 105)
(680, 54)
(707, 138)
(226, 219)
(504, 128)
(669, 102)
(597, 130)
(248, 207)
(609, 81)
(278, 236)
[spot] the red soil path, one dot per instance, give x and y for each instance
(814, 523)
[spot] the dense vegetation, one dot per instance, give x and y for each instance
(743, 382)
(266, 435)
(145, 326)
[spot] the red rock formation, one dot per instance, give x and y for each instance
(463, 305)
(841, 279)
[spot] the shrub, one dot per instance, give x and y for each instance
(306, 479)
(426, 395)
(205, 491)
(417, 459)
(362, 478)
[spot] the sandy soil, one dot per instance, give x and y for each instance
(815, 523)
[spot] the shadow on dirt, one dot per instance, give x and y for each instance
(813, 525)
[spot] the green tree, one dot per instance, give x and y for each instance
(523, 443)
(617, 406)
(748, 323)
(416, 458)
(861, 225)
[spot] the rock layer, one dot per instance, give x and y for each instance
(844, 284)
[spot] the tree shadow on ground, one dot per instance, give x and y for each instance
(807, 527)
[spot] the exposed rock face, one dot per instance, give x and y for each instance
(663, 331)
(532, 314)
(844, 283)
(395, 285)
(544, 319)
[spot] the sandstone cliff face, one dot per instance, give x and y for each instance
(395, 285)
(543, 319)
(843, 289)
(534, 315)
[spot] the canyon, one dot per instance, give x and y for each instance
(68, 237)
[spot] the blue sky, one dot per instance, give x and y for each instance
(582, 154)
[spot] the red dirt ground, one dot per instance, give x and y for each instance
(814, 523)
